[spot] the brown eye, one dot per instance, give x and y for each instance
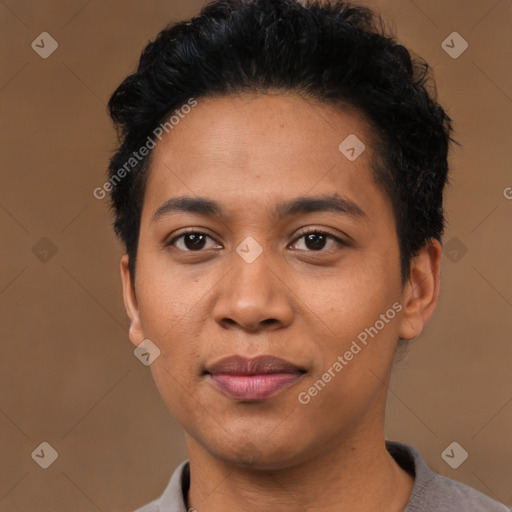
(317, 240)
(190, 241)
(194, 241)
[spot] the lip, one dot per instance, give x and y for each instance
(240, 365)
(256, 378)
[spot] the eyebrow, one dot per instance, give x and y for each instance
(299, 205)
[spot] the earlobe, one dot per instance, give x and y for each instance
(421, 292)
(135, 332)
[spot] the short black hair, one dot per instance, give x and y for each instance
(334, 51)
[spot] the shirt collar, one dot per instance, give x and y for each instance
(174, 497)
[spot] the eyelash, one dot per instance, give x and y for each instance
(328, 235)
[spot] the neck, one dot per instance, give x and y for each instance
(357, 474)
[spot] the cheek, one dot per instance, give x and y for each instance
(346, 323)
(352, 298)
(170, 299)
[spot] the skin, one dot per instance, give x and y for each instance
(303, 303)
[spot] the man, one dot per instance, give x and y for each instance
(278, 189)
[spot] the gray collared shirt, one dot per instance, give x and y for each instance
(431, 492)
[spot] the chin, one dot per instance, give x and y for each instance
(259, 453)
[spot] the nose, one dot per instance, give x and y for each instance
(253, 296)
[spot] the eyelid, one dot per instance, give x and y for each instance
(170, 241)
(303, 232)
(328, 234)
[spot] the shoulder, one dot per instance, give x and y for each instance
(447, 495)
(433, 492)
(174, 495)
(150, 507)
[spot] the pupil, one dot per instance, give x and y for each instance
(197, 241)
(318, 240)
(313, 241)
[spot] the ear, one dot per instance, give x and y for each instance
(421, 292)
(135, 332)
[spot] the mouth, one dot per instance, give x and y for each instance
(253, 379)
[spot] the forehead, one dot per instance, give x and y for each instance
(250, 150)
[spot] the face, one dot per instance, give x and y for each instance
(262, 273)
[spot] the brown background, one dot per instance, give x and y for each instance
(68, 375)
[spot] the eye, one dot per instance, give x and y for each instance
(190, 241)
(313, 240)
(316, 240)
